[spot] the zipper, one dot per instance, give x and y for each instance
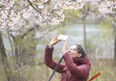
(67, 78)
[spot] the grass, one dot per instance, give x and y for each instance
(42, 72)
(106, 66)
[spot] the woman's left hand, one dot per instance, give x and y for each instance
(64, 47)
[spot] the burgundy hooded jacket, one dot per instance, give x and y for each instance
(76, 69)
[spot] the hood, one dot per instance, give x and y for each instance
(82, 60)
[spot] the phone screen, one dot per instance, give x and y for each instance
(62, 37)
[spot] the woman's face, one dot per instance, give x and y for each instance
(73, 52)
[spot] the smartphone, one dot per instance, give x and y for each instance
(62, 37)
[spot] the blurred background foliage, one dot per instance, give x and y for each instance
(22, 57)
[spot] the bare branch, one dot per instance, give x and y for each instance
(31, 29)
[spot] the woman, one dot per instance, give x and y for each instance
(77, 65)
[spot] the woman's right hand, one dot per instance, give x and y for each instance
(54, 41)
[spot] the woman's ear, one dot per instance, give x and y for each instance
(79, 55)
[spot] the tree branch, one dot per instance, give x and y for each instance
(31, 29)
(35, 9)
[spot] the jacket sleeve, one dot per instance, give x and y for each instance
(81, 71)
(49, 61)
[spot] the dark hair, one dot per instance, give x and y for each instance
(80, 50)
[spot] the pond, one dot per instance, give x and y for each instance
(97, 37)
(101, 42)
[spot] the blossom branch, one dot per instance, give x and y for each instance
(35, 8)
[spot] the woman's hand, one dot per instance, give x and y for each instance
(53, 42)
(64, 47)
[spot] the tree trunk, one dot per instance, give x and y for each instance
(85, 14)
(84, 34)
(115, 48)
(114, 29)
(4, 59)
(25, 49)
